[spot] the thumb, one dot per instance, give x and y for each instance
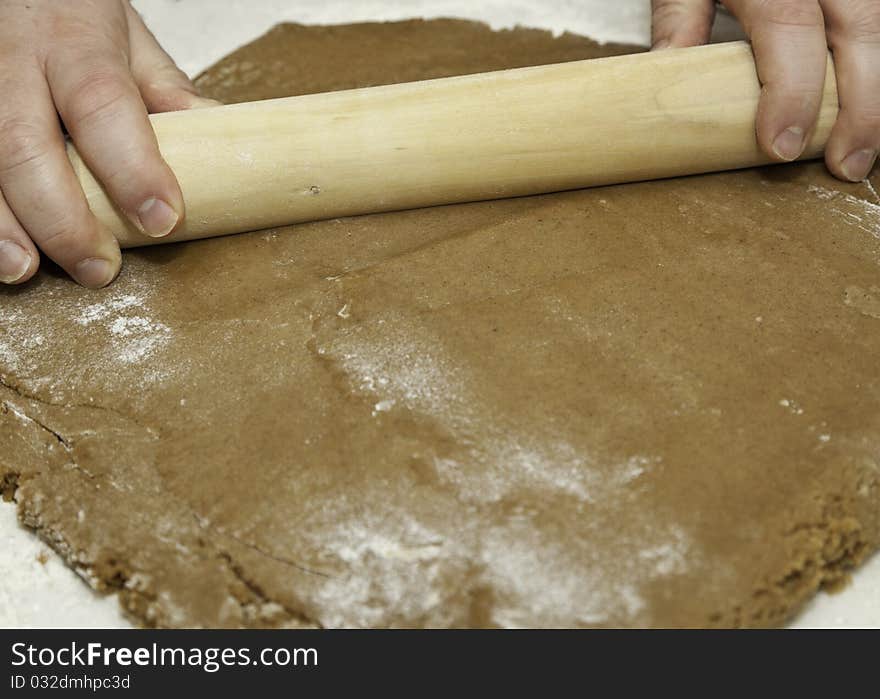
(681, 23)
(163, 86)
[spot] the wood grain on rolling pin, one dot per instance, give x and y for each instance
(485, 136)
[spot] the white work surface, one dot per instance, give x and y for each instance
(36, 588)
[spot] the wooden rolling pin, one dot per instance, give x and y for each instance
(487, 136)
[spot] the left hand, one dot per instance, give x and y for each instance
(790, 39)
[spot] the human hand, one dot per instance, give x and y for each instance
(790, 39)
(94, 64)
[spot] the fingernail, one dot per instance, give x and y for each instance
(858, 164)
(95, 273)
(157, 218)
(660, 45)
(789, 145)
(15, 261)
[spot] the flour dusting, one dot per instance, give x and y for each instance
(139, 337)
(402, 370)
(115, 341)
(861, 212)
(115, 304)
(133, 335)
(496, 456)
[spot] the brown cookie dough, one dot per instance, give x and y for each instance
(644, 405)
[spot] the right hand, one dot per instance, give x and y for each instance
(96, 66)
(791, 39)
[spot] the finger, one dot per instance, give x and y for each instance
(107, 120)
(788, 38)
(19, 258)
(41, 189)
(163, 86)
(854, 37)
(681, 23)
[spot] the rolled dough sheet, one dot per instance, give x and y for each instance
(645, 405)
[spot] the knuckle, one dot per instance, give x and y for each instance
(800, 96)
(67, 232)
(668, 11)
(863, 22)
(97, 96)
(664, 12)
(127, 189)
(867, 119)
(795, 97)
(791, 13)
(22, 142)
